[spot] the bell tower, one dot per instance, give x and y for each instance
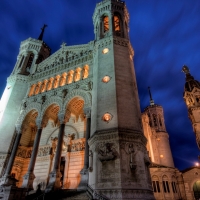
(31, 52)
(118, 167)
(191, 97)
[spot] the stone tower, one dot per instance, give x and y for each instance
(155, 131)
(31, 53)
(118, 156)
(191, 96)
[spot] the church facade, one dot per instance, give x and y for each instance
(72, 121)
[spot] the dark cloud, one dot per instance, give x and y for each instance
(164, 34)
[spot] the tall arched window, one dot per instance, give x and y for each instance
(155, 120)
(30, 60)
(105, 24)
(166, 185)
(150, 123)
(155, 184)
(160, 120)
(117, 24)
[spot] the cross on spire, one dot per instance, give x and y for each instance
(42, 33)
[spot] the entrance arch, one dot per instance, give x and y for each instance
(24, 150)
(196, 190)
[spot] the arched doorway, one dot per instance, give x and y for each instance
(196, 190)
(74, 143)
(24, 150)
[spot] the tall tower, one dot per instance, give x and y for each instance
(118, 156)
(31, 53)
(191, 97)
(156, 134)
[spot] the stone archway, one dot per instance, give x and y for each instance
(74, 143)
(24, 150)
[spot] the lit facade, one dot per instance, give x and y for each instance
(72, 120)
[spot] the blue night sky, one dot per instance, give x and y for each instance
(165, 35)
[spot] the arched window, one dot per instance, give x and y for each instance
(30, 60)
(117, 27)
(155, 184)
(85, 73)
(174, 188)
(105, 24)
(150, 122)
(160, 121)
(155, 120)
(166, 184)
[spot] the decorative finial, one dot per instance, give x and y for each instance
(42, 33)
(185, 69)
(151, 100)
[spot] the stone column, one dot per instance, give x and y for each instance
(84, 172)
(55, 175)
(7, 179)
(33, 65)
(29, 176)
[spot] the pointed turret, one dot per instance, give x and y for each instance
(191, 96)
(190, 82)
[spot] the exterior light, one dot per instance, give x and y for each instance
(196, 164)
(106, 79)
(105, 51)
(161, 156)
(107, 117)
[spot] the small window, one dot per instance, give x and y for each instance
(106, 24)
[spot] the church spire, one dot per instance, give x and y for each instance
(151, 100)
(42, 33)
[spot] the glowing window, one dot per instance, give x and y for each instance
(106, 117)
(56, 81)
(43, 86)
(77, 75)
(106, 24)
(63, 79)
(106, 79)
(37, 88)
(105, 51)
(85, 71)
(70, 77)
(116, 24)
(31, 90)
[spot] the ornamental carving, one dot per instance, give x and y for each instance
(107, 151)
(44, 151)
(24, 152)
(77, 145)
